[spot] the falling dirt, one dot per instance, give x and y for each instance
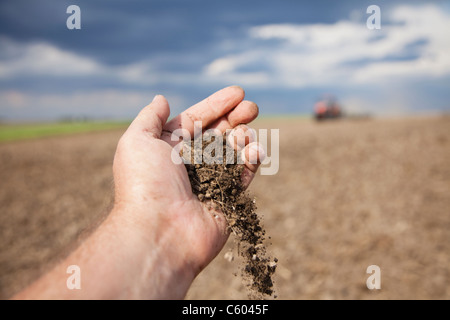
(215, 177)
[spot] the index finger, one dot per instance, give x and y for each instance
(207, 111)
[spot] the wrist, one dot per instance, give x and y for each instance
(162, 270)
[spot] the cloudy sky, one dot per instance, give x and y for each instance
(284, 53)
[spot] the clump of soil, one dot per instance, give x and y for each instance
(217, 180)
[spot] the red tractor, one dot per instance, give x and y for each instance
(327, 108)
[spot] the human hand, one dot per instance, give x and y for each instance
(158, 236)
(153, 194)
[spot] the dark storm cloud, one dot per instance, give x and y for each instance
(187, 49)
(117, 31)
(120, 32)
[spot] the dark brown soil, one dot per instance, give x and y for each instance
(217, 180)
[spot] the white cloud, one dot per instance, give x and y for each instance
(220, 68)
(283, 55)
(44, 59)
(288, 56)
(342, 53)
(99, 103)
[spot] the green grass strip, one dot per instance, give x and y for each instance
(10, 132)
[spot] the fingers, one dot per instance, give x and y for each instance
(241, 136)
(245, 112)
(207, 111)
(253, 155)
(243, 140)
(152, 118)
(221, 111)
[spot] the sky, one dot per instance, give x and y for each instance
(284, 53)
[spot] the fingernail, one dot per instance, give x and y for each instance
(230, 138)
(256, 152)
(240, 136)
(155, 98)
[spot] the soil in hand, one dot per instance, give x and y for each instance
(215, 177)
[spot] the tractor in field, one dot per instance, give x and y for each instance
(327, 108)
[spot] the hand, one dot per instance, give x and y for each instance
(158, 236)
(154, 194)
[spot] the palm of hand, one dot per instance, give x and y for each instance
(158, 190)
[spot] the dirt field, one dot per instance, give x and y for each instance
(349, 194)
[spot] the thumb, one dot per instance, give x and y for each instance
(153, 117)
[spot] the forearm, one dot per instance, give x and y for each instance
(118, 261)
